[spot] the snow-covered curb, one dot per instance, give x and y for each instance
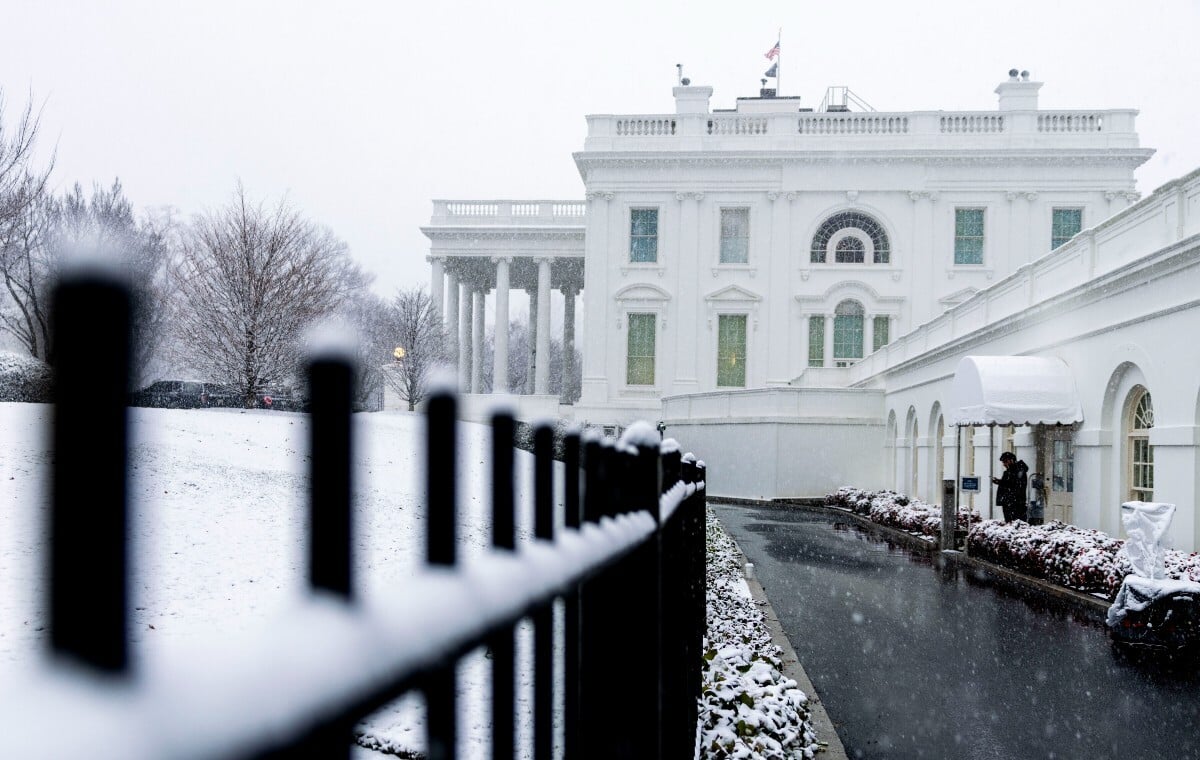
(748, 708)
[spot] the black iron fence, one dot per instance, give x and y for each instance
(627, 565)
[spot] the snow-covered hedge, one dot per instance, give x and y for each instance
(748, 708)
(24, 378)
(1086, 560)
(896, 510)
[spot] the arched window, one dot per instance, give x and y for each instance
(847, 333)
(1140, 457)
(850, 248)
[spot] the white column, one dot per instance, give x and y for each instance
(477, 340)
(568, 343)
(541, 370)
(599, 256)
(436, 285)
(500, 369)
(464, 340)
(451, 316)
(868, 333)
(533, 325)
(828, 340)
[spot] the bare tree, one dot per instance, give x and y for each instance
(250, 280)
(16, 162)
(416, 328)
(45, 228)
(371, 315)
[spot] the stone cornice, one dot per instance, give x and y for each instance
(1128, 157)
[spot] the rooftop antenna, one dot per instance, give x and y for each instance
(679, 73)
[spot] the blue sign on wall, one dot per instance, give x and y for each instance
(970, 484)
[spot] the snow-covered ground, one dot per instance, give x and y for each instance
(218, 527)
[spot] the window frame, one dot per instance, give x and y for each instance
(839, 326)
(721, 238)
(854, 222)
(1139, 470)
(633, 238)
(1054, 211)
(981, 237)
(816, 319)
(654, 322)
(745, 353)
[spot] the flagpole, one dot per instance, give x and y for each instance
(779, 64)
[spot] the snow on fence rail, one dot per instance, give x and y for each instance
(628, 566)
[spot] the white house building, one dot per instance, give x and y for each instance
(792, 292)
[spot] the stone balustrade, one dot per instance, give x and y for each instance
(502, 212)
(833, 130)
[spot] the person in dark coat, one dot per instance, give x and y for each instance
(1010, 491)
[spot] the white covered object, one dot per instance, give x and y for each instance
(1014, 390)
(1146, 523)
(1137, 593)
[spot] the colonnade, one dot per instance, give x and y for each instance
(458, 290)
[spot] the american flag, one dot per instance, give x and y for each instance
(773, 52)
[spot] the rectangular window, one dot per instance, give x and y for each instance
(816, 341)
(735, 235)
(731, 350)
(1062, 466)
(968, 236)
(1143, 470)
(643, 235)
(847, 337)
(1065, 223)
(640, 357)
(880, 336)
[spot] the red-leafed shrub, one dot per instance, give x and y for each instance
(1079, 558)
(895, 510)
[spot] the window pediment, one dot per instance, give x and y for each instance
(642, 292)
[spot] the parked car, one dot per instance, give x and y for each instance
(185, 394)
(1156, 614)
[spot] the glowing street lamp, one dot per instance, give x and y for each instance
(398, 353)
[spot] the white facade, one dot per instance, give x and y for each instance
(1115, 301)
(902, 178)
(1118, 305)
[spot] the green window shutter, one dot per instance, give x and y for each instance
(816, 341)
(731, 350)
(848, 336)
(735, 235)
(880, 336)
(1065, 224)
(640, 350)
(643, 235)
(968, 236)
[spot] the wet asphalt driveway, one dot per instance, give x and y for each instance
(914, 661)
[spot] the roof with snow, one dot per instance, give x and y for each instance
(1014, 390)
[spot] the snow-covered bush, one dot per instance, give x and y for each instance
(24, 378)
(1087, 560)
(896, 510)
(748, 708)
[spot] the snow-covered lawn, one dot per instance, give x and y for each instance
(219, 514)
(218, 526)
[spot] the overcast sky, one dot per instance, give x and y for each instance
(363, 112)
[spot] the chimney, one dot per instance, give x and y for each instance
(1018, 93)
(690, 99)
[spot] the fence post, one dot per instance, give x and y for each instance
(572, 517)
(503, 539)
(698, 584)
(441, 500)
(331, 382)
(543, 618)
(678, 736)
(330, 537)
(89, 515)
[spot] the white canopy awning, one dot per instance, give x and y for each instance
(1014, 390)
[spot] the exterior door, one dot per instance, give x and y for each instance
(1056, 460)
